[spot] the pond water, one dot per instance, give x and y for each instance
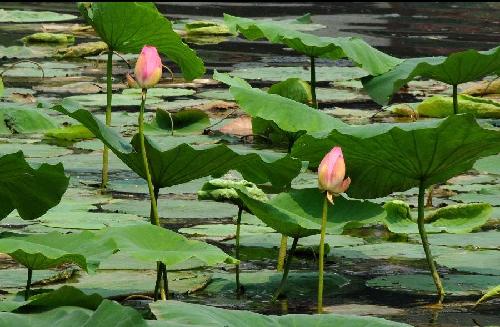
(400, 29)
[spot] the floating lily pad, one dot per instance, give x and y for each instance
(50, 69)
(174, 209)
(272, 240)
(34, 150)
(478, 262)
(20, 119)
(89, 220)
(454, 285)
(340, 96)
(24, 52)
(16, 277)
(121, 283)
(481, 240)
(263, 283)
(489, 195)
(29, 16)
(277, 74)
(440, 106)
(139, 185)
(70, 133)
(489, 164)
(224, 230)
(195, 315)
(160, 92)
(82, 50)
(99, 100)
(397, 251)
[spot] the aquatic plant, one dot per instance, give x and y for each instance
(331, 173)
(457, 68)
(121, 25)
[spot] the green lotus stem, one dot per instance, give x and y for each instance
(313, 83)
(158, 280)
(286, 269)
(322, 255)
(238, 226)
(425, 243)
(28, 284)
(282, 253)
(455, 99)
(155, 220)
(109, 97)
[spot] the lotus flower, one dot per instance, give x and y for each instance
(331, 173)
(148, 68)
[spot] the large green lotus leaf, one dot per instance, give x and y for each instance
(281, 73)
(487, 194)
(128, 26)
(20, 119)
(184, 122)
(31, 191)
(386, 158)
(63, 296)
(50, 250)
(367, 57)
(455, 285)
(184, 163)
(297, 213)
(288, 114)
(109, 313)
(392, 251)
(152, 243)
(457, 68)
(187, 314)
(29, 16)
(456, 219)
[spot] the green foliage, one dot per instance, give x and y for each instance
(223, 190)
(457, 68)
(50, 250)
(396, 157)
(44, 37)
(461, 218)
(184, 163)
(440, 106)
(298, 213)
(184, 122)
(151, 243)
(19, 119)
(360, 52)
(109, 313)
(492, 293)
(128, 26)
(70, 133)
(31, 191)
(196, 315)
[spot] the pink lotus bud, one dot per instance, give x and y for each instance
(148, 67)
(331, 172)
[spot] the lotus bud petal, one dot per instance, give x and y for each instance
(131, 82)
(148, 68)
(331, 173)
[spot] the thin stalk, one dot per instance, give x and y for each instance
(109, 97)
(455, 99)
(156, 193)
(425, 243)
(155, 220)
(322, 255)
(238, 226)
(286, 269)
(282, 252)
(158, 280)
(28, 284)
(313, 83)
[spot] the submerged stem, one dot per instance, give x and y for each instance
(322, 255)
(425, 243)
(109, 97)
(455, 99)
(313, 83)
(237, 250)
(28, 284)
(286, 269)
